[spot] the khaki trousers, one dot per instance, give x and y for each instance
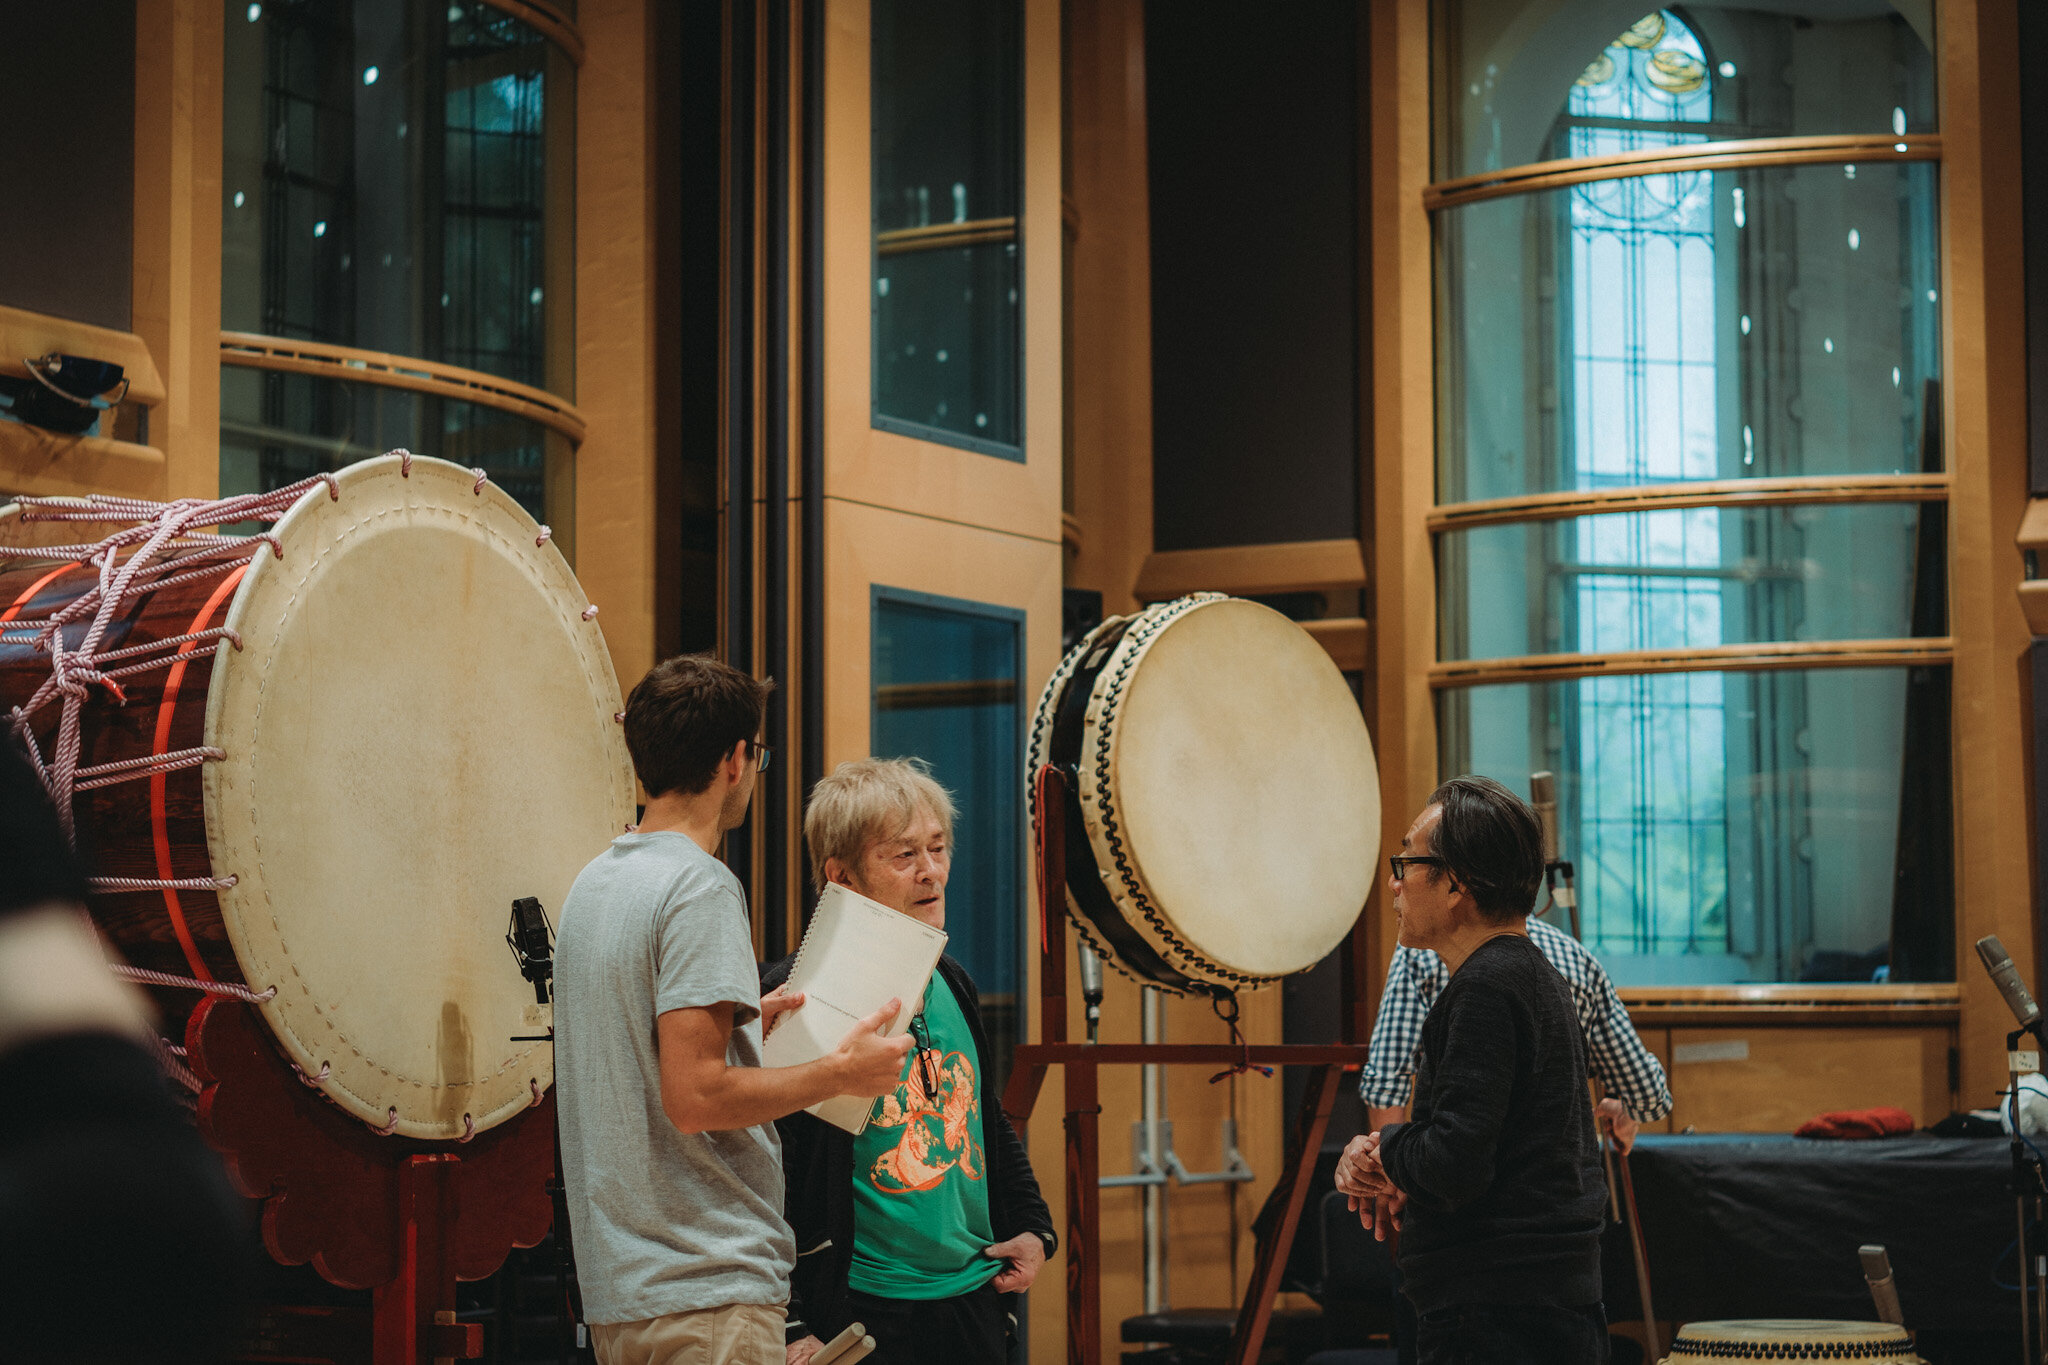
(737, 1334)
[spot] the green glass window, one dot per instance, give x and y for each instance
(1690, 577)
(1730, 827)
(946, 109)
(397, 176)
(1704, 326)
(947, 689)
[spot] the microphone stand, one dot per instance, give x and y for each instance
(2030, 1192)
(530, 938)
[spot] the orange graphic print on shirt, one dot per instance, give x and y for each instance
(939, 1135)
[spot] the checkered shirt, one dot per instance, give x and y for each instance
(1415, 976)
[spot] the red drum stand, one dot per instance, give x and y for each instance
(401, 1218)
(1328, 1063)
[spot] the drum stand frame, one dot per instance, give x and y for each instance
(1083, 1061)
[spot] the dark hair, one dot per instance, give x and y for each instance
(684, 717)
(37, 865)
(1490, 842)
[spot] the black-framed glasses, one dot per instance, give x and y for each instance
(926, 1077)
(762, 754)
(1401, 862)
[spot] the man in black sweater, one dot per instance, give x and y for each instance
(1495, 1182)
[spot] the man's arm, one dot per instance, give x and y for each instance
(700, 1093)
(1389, 1071)
(1449, 1157)
(1629, 1071)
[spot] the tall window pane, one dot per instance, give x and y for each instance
(1731, 827)
(946, 110)
(1709, 325)
(946, 690)
(397, 176)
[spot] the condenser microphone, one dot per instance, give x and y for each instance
(1543, 796)
(1877, 1272)
(2007, 978)
(1091, 987)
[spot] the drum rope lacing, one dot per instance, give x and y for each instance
(158, 531)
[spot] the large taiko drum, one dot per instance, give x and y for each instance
(1716, 1343)
(1223, 808)
(393, 728)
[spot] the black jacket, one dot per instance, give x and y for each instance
(817, 1160)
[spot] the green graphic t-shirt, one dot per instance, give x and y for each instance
(920, 1177)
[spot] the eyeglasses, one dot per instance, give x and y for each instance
(762, 754)
(1402, 862)
(925, 1075)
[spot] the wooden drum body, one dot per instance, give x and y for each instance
(1223, 804)
(417, 726)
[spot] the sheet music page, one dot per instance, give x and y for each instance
(857, 954)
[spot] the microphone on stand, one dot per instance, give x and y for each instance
(1877, 1273)
(1091, 987)
(1556, 872)
(2007, 978)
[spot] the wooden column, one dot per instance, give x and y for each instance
(618, 498)
(1984, 365)
(178, 58)
(1402, 590)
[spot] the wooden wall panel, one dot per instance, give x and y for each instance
(616, 184)
(1771, 1080)
(1985, 369)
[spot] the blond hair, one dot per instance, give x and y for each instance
(867, 800)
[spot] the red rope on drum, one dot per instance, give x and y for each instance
(1244, 1061)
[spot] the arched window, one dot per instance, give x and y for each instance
(1689, 463)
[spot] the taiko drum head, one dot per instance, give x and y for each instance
(1712, 1343)
(1227, 788)
(418, 729)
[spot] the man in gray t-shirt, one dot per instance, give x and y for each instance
(669, 1150)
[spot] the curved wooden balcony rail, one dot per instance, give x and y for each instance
(1757, 658)
(938, 236)
(402, 372)
(1792, 489)
(1734, 155)
(557, 27)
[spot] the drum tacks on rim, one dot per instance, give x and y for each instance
(1223, 808)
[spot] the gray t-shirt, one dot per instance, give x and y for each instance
(663, 1221)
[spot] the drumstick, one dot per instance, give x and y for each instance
(842, 1347)
(858, 1351)
(1635, 1231)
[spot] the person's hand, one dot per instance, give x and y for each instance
(1359, 1172)
(870, 1065)
(1613, 1117)
(800, 1352)
(777, 1003)
(1383, 1215)
(1025, 1253)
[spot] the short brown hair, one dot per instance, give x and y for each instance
(866, 800)
(684, 717)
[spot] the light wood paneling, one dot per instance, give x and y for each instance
(1765, 1080)
(1110, 401)
(1253, 570)
(886, 469)
(1403, 589)
(616, 502)
(178, 47)
(39, 463)
(1985, 375)
(25, 335)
